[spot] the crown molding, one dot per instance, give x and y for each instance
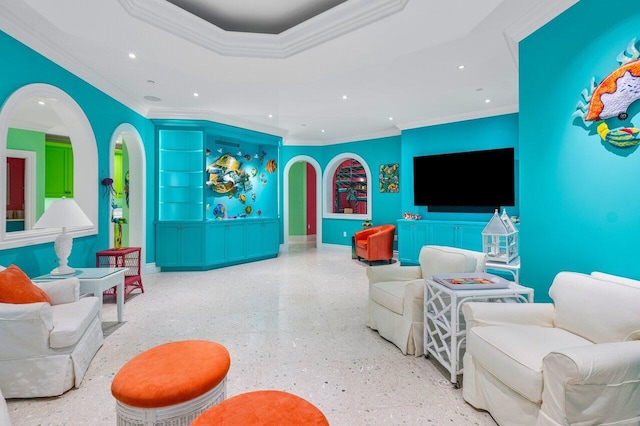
(205, 115)
(472, 115)
(293, 141)
(337, 21)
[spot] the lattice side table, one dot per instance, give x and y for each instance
(128, 257)
(444, 327)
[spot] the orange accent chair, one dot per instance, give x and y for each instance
(375, 243)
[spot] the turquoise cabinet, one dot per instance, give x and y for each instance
(185, 246)
(179, 245)
(413, 234)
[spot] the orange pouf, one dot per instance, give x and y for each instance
(263, 408)
(177, 380)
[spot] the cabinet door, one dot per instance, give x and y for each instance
(214, 244)
(167, 245)
(412, 235)
(58, 170)
(235, 241)
(262, 239)
(444, 234)
(470, 236)
(179, 245)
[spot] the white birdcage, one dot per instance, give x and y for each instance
(500, 239)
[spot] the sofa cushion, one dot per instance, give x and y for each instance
(71, 320)
(583, 303)
(389, 294)
(16, 287)
(514, 353)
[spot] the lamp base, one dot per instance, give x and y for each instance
(63, 270)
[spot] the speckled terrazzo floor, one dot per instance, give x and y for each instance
(294, 323)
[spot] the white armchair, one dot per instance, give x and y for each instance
(46, 348)
(573, 361)
(396, 294)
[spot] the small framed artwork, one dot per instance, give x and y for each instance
(389, 180)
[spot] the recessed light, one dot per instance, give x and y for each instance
(40, 102)
(460, 67)
(196, 94)
(390, 118)
(132, 55)
(322, 130)
(344, 97)
(152, 98)
(270, 115)
(486, 101)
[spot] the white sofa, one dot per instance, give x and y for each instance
(575, 361)
(46, 349)
(396, 294)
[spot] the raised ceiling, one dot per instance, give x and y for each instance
(396, 61)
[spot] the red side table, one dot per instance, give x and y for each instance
(126, 257)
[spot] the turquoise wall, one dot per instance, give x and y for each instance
(104, 115)
(385, 206)
(579, 200)
(480, 134)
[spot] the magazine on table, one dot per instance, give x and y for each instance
(471, 281)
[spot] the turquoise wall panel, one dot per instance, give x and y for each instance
(579, 201)
(104, 115)
(471, 135)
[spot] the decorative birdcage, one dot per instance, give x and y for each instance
(500, 239)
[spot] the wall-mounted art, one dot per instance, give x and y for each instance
(605, 106)
(389, 180)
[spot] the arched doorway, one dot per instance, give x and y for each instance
(317, 208)
(133, 202)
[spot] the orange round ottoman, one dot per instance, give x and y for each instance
(263, 408)
(171, 384)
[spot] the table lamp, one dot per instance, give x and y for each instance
(63, 213)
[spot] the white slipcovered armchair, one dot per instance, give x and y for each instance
(396, 294)
(46, 348)
(575, 361)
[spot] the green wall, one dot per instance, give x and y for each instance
(579, 200)
(298, 199)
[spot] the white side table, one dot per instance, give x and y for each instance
(95, 281)
(512, 267)
(444, 326)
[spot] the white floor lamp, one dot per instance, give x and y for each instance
(63, 213)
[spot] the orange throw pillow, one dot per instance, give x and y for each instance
(16, 287)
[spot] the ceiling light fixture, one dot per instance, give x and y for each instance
(460, 67)
(390, 118)
(344, 97)
(40, 102)
(486, 101)
(270, 115)
(132, 55)
(196, 94)
(322, 130)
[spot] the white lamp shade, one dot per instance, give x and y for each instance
(63, 213)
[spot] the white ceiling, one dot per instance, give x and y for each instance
(391, 58)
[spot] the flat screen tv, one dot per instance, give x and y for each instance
(475, 181)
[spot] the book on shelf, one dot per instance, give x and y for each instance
(471, 281)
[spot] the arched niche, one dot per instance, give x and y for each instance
(331, 208)
(84, 147)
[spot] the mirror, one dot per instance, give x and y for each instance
(28, 117)
(347, 189)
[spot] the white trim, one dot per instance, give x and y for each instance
(84, 147)
(137, 184)
(327, 184)
(285, 213)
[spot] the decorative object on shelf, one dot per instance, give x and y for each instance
(609, 102)
(125, 188)
(108, 186)
(220, 211)
(367, 224)
(271, 166)
(500, 238)
(63, 213)
(118, 220)
(411, 216)
(389, 180)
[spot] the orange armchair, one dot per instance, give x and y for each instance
(375, 243)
